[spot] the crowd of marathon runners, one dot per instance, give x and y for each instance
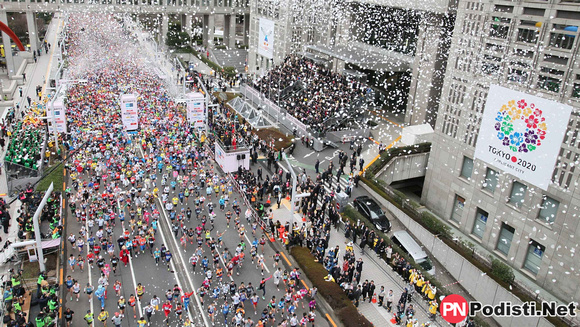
(121, 184)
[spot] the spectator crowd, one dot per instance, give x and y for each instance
(320, 95)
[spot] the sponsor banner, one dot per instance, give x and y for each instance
(230, 161)
(196, 111)
(57, 111)
(266, 38)
(129, 112)
(521, 134)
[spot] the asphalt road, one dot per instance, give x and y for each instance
(157, 279)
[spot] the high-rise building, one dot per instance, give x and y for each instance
(531, 47)
(399, 46)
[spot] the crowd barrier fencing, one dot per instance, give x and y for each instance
(282, 116)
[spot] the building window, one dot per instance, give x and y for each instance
(518, 194)
(467, 168)
(562, 41)
(458, 206)
(534, 257)
(527, 36)
(490, 65)
(499, 31)
(517, 75)
(549, 83)
(480, 222)
(505, 238)
(490, 181)
(576, 91)
(548, 209)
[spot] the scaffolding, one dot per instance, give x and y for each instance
(251, 114)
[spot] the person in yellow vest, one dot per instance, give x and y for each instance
(349, 247)
(412, 323)
(425, 288)
(413, 276)
(420, 283)
(432, 292)
(433, 306)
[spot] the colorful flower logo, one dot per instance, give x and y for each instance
(520, 141)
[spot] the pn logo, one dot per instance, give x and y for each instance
(520, 126)
(454, 308)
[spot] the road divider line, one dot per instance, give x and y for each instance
(286, 259)
(223, 262)
(265, 264)
(91, 302)
(379, 155)
(185, 267)
(385, 119)
(131, 262)
(375, 141)
(192, 285)
(330, 320)
(306, 286)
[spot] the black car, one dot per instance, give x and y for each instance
(371, 209)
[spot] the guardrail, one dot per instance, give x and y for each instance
(281, 115)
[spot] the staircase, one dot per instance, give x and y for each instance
(233, 58)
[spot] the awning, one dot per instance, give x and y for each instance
(365, 56)
(46, 244)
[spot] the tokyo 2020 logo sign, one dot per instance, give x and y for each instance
(521, 134)
(521, 141)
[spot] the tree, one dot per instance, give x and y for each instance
(175, 36)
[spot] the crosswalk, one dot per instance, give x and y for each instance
(328, 188)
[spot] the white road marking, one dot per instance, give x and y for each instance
(130, 262)
(207, 324)
(250, 242)
(88, 265)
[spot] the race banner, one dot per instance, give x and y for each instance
(196, 111)
(129, 112)
(56, 110)
(266, 38)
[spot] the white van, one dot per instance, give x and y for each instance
(408, 244)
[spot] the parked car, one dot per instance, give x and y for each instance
(369, 208)
(408, 244)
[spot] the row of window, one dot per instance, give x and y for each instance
(534, 252)
(558, 39)
(548, 208)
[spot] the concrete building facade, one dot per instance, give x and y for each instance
(416, 37)
(532, 47)
(297, 24)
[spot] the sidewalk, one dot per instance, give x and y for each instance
(36, 74)
(374, 269)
